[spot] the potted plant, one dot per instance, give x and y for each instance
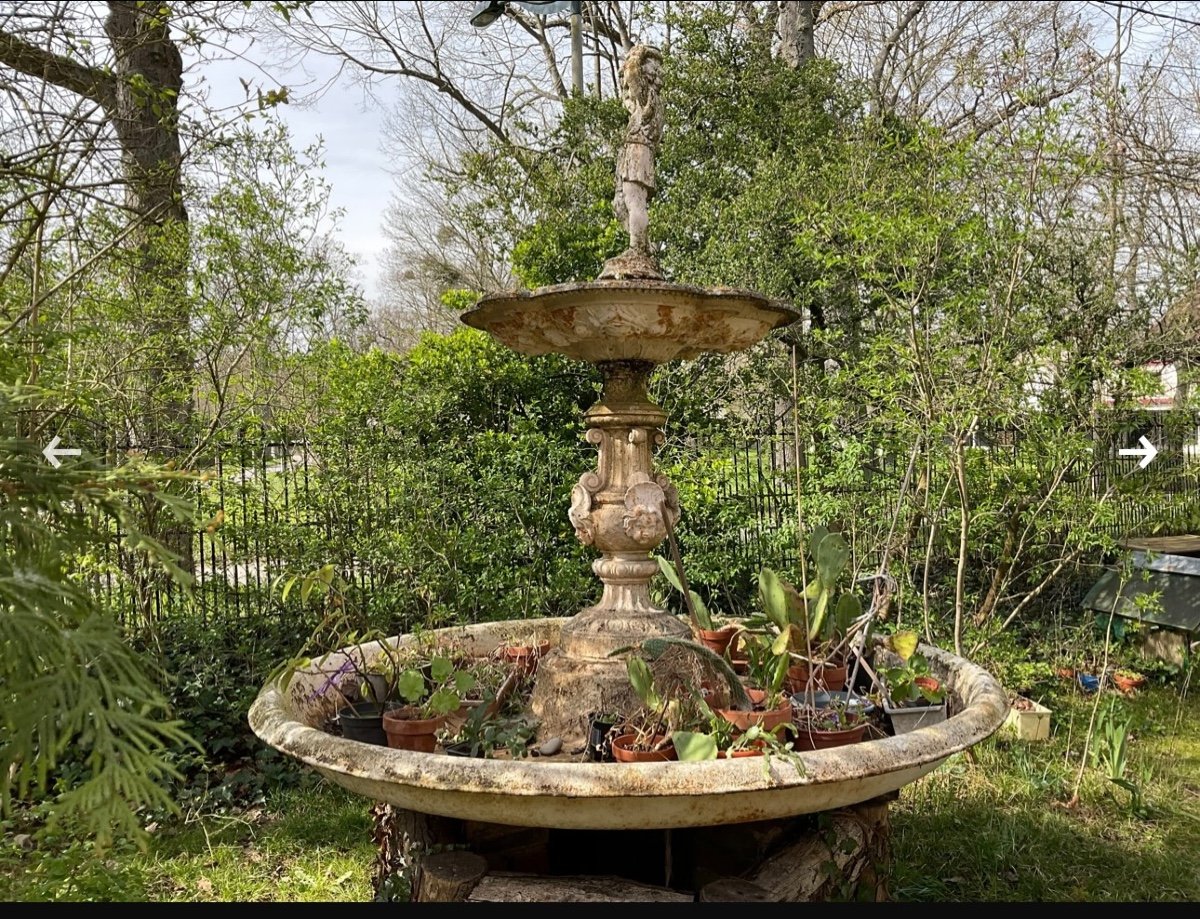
(715, 738)
(523, 652)
(833, 725)
(379, 675)
(358, 712)
(483, 733)
(812, 626)
(1128, 681)
(599, 736)
(771, 707)
(429, 700)
(913, 697)
(711, 631)
(645, 738)
(675, 698)
(363, 721)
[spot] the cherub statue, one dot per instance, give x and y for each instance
(641, 82)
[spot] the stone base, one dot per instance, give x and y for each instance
(579, 677)
(632, 264)
(595, 633)
(843, 855)
(568, 691)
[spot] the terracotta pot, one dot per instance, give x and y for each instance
(768, 720)
(755, 749)
(831, 677)
(928, 683)
(807, 738)
(1129, 682)
(525, 657)
(405, 732)
(741, 665)
(717, 640)
(622, 754)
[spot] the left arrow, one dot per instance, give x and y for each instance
(53, 451)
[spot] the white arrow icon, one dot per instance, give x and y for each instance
(53, 452)
(1147, 452)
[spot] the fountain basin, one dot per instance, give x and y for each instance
(651, 321)
(561, 793)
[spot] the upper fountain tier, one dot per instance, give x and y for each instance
(628, 320)
(631, 313)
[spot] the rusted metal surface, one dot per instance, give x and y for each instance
(640, 320)
(560, 792)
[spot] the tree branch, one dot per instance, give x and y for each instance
(888, 47)
(89, 82)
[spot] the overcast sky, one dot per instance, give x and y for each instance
(357, 168)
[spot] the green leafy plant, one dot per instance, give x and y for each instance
(654, 648)
(911, 681)
(483, 733)
(815, 622)
(672, 700)
(837, 715)
(1109, 751)
(765, 669)
(650, 725)
(438, 693)
(700, 613)
(711, 735)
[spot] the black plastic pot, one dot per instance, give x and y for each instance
(599, 741)
(363, 721)
(464, 748)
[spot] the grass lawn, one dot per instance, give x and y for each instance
(311, 844)
(992, 825)
(995, 825)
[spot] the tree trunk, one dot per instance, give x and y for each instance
(144, 109)
(148, 78)
(140, 96)
(448, 877)
(798, 31)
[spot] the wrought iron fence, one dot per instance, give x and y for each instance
(273, 506)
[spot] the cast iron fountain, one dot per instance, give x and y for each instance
(626, 323)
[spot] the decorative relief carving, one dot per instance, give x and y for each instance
(671, 507)
(580, 513)
(645, 504)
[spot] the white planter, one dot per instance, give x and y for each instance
(1031, 725)
(920, 716)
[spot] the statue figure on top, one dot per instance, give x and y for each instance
(641, 83)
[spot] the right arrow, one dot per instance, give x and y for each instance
(1147, 452)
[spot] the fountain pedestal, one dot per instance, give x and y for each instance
(623, 508)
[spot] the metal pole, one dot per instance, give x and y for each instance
(577, 47)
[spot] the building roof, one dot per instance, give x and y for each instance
(1175, 578)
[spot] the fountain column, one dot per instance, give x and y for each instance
(623, 508)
